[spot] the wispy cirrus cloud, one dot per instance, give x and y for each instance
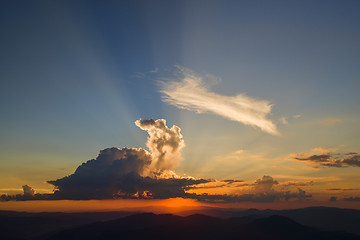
(190, 92)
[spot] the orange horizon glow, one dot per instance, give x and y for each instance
(173, 205)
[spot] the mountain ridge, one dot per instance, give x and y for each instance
(34, 226)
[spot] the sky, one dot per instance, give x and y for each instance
(209, 101)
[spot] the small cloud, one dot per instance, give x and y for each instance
(296, 116)
(265, 184)
(328, 157)
(352, 199)
(298, 183)
(229, 181)
(332, 199)
(154, 70)
(191, 93)
(329, 122)
(313, 167)
(138, 75)
(351, 153)
(28, 191)
(144, 74)
(240, 151)
(354, 161)
(342, 189)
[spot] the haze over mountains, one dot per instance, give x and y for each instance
(306, 223)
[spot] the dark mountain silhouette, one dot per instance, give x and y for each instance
(308, 223)
(23, 225)
(167, 226)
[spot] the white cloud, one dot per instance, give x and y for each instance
(191, 93)
(154, 70)
(165, 144)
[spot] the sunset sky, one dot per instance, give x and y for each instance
(237, 102)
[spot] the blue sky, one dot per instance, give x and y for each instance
(76, 75)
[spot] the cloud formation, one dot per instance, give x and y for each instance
(165, 144)
(118, 173)
(28, 191)
(28, 194)
(262, 190)
(328, 157)
(265, 184)
(191, 93)
(132, 172)
(141, 174)
(126, 172)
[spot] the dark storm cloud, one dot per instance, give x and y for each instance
(118, 173)
(330, 159)
(102, 177)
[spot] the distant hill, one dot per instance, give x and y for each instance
(323, 218)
